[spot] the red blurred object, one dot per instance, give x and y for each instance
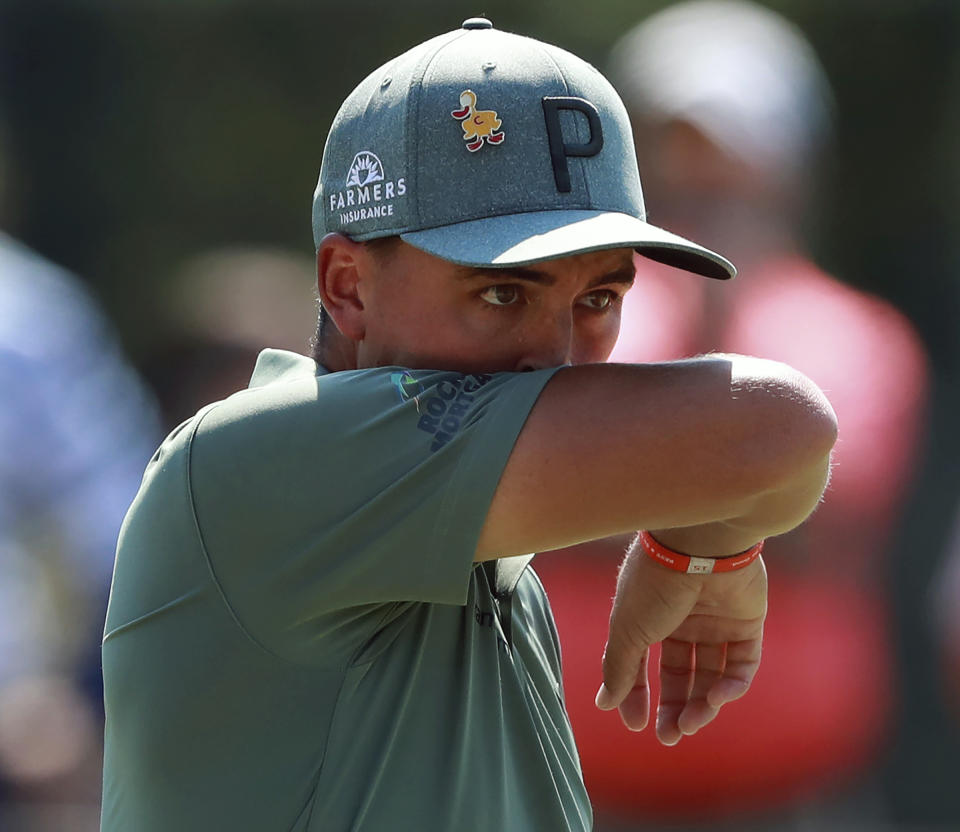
(815, 711)
(818, 711)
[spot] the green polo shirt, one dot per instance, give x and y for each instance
(297, 636)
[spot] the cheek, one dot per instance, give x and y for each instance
(596, 339)
(405, 320)
(431, 333)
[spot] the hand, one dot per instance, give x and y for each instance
(711, 627)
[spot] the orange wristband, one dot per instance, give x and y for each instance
(696, 566)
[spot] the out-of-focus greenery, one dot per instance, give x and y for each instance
(137, 133)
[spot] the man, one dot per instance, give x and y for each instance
(322, 615)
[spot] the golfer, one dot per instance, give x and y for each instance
(323, 613)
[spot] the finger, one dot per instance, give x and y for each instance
(743, 661)
(676, 681)
(709, 661)
(635, 708)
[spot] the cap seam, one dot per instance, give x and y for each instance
(413, 113)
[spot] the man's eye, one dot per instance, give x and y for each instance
(600, 299)
(502, 295)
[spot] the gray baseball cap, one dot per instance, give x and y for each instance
(486, 148)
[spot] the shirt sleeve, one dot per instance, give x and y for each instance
(319, 500)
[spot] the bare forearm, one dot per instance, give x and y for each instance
(723, 442)
(772, 514)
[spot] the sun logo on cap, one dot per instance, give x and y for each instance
(478, 125)
(365, 169)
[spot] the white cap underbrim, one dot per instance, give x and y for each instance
(521, 239)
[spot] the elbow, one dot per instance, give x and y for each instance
(813, 478)
(800, 454)
(790, 416)
(814, 423)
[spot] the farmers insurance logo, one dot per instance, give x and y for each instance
(368, 193)
(366, 168)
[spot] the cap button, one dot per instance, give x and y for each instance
(477, 23)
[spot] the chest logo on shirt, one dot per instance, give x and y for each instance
(483, 618)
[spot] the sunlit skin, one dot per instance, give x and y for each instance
(399, 306)
(411, 309)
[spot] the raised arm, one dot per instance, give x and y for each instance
(711, 454)
(714, 452)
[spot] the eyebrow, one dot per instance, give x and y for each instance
(625, 274)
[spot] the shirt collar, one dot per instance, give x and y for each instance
(281, 365)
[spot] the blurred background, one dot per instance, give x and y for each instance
(157, 163)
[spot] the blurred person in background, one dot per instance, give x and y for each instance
(75, 436)
(76, 429)
(731, 111)
(219, 310)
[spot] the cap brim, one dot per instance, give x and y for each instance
(521, 239)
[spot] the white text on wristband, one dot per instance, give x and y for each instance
(693, 565)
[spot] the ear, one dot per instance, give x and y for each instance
(341, 268)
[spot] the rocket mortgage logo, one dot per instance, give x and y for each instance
(406, 385)
(444, 405)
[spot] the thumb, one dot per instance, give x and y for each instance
(623, 677)
(651, 603)
(624, 664)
